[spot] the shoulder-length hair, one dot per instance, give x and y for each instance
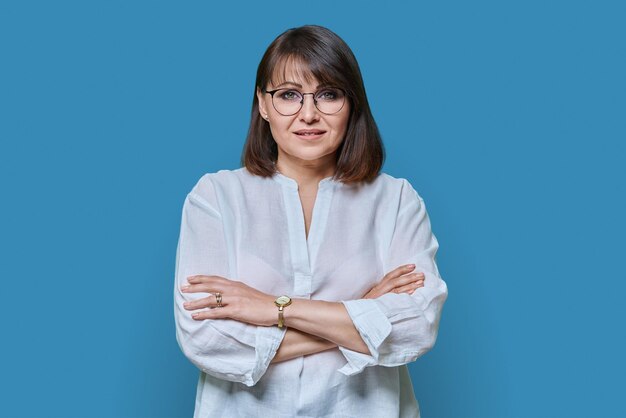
(317, 52)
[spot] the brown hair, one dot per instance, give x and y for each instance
(329, 59)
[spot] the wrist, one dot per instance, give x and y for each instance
(282, 303)
(294, 313)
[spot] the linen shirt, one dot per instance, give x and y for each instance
(249, 228)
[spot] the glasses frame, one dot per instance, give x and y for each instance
(302, 101)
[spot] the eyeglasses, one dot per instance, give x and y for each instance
(289, 101)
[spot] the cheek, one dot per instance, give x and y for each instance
(280, 131)
(342, 126)
(344, 121)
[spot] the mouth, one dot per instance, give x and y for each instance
(310, 133)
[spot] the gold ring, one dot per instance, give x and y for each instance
(218, 296)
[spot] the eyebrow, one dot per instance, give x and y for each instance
(300, 85)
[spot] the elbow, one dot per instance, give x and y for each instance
(191, 352)
(231, 350)
(205, 361)
(430, 341)
(205, 358)
(431, 319)
(424, 344)
(428, 338)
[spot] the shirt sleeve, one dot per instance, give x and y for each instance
(399, 328)
(224, 348)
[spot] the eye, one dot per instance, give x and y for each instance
(289, 95)
(328, 95)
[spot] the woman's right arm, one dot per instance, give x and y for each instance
(297, 343)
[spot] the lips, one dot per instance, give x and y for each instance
(309, 132)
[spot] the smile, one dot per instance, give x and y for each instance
(310, 133)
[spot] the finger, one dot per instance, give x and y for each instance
(207, 302)
(213, 313)
(407, 268)
(206, 279)
(406, 279)
(399, 281)
(409, 288)
(199, 278)
(201, 287)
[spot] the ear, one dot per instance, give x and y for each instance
(261, 99)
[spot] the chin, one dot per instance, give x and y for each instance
(311, 152)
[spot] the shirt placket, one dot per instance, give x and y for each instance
(303, 251)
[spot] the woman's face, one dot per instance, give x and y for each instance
(301, 149)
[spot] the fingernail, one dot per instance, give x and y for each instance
(185, 287)
(410, 266)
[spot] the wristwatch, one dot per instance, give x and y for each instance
(281, 302)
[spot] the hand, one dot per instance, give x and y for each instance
(397, 281)
(239, 301)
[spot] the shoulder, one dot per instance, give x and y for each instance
(400, 195)
(220, 176)
(399, 187)
(211, 182)
(223, 189)
(205, 190)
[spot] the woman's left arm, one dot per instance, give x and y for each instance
(399, 328)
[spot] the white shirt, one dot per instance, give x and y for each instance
(249, 228)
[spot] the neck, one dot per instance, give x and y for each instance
(306, 173)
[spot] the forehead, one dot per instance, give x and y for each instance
(296, 70)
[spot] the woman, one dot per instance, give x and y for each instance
(306, 280)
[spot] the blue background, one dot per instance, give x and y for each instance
(507, 117)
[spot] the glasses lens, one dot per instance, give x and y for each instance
(287, 101)
(329, 100)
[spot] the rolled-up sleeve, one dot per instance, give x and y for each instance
(399, 328)
(224, 348)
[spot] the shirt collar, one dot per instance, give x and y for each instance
(292, 184)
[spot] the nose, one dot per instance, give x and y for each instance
(309, 112)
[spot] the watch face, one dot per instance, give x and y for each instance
(283, 299)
